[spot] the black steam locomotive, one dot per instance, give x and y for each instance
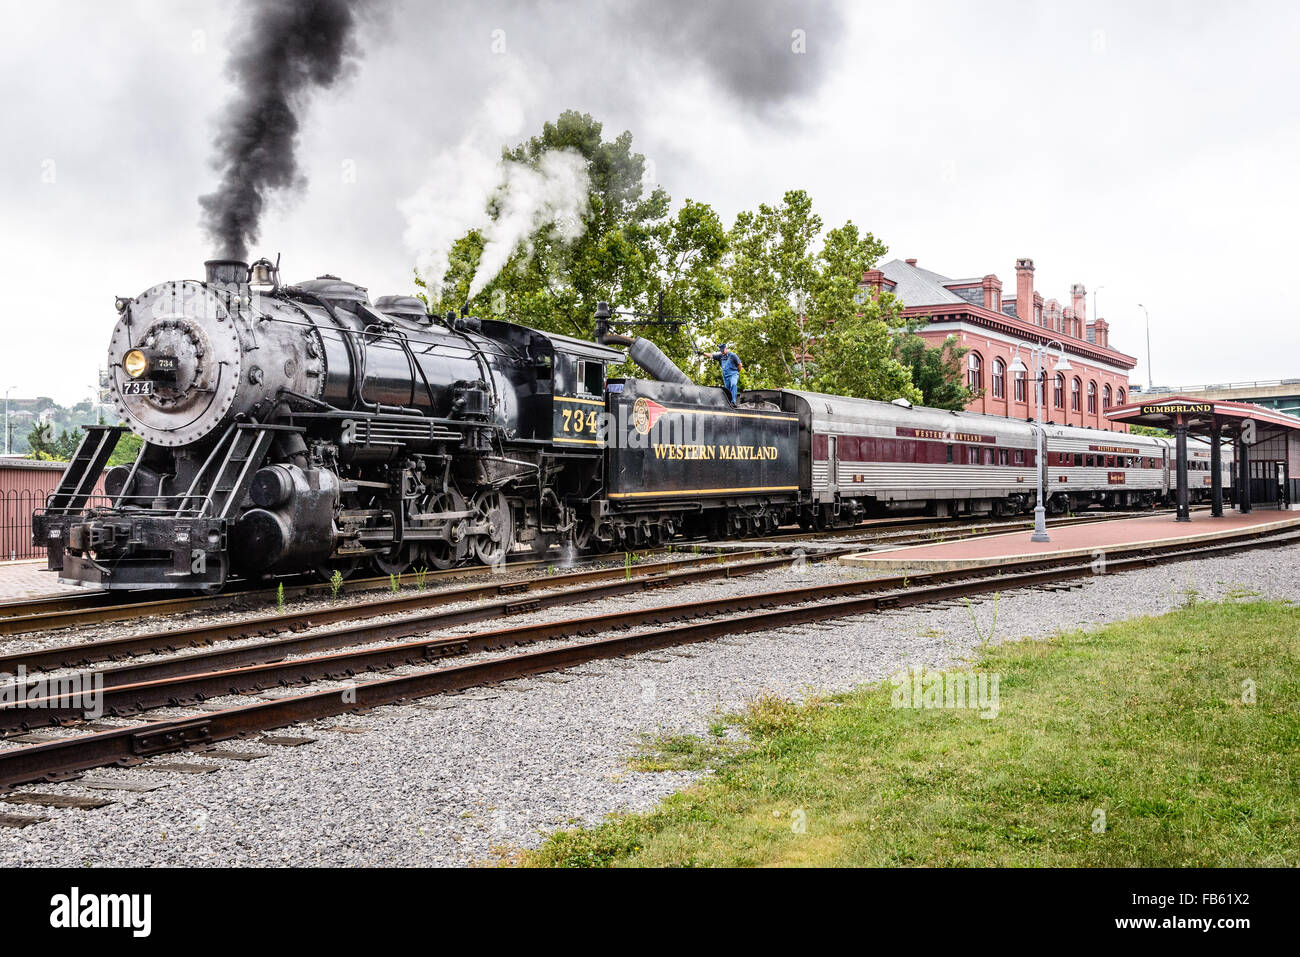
(302, 427)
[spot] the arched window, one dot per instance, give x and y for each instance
(999, 379)
(1022, 387)
(1105, 397)
(1092, 397)
(1058, 391)
(974, 372)
(1076, 394)
(1119, 397)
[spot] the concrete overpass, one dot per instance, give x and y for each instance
(1280, 394)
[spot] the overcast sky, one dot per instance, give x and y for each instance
(1148, 150)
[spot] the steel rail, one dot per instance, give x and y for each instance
(64, 612)
(244, 656)
(57, 760)
(131, 689)
(680, 573)
(640, 576)
(75, 655)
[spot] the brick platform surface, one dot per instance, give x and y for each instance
(1069, 540)
(27, 580)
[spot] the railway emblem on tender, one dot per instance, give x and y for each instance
(645, 413)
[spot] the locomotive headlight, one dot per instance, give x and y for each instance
(135, 363)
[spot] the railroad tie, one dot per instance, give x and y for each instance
(286, 741)
(110, 784)
(221, 755)
(56, 800)
(20, 820)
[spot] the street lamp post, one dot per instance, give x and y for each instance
(1038, 352)
(1150, 378)
(8, 389)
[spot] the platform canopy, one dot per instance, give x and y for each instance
(1273, 436)
(1200, 417)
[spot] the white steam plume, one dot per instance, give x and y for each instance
(552, 194)
(464, 179)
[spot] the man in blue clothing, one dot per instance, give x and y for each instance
(731, 366)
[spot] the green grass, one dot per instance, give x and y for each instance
(1144, 721)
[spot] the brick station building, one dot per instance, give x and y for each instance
(990, 325)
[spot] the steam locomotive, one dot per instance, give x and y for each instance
(291, 428)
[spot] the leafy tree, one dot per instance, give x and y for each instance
(791, 298)
(773, 284)
(128, 447)
(936, 370)
(44, 444)
(634, 252)
(1150, 430)
(857, 357)
(772, 271)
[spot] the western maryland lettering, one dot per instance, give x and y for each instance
(728, 452)
(945, 435)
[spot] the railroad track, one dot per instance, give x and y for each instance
(55, 612)
(512, 598)
(62, 611)
(686, 623)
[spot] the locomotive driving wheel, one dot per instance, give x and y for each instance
(395, 561)
(491, 508)
(443, 555)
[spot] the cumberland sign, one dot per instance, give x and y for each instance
(1179, 408)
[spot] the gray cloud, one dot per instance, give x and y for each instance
(761, 52)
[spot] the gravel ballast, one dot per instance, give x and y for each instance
(471, 778)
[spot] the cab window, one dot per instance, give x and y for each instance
(591, 378)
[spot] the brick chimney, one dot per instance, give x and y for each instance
(992, 293)
(1079, 299)
(910, 262)
(1103, 333)
(1025, 290)
(875, 280)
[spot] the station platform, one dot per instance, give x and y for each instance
(1084, 540)
(28, 579)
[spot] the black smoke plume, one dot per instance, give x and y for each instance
(285, 51)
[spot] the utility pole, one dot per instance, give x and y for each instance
(1095, 314)
(1150, 378)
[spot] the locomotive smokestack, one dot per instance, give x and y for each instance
(226, 272)
(287, 50)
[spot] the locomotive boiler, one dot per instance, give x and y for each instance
(292, 427)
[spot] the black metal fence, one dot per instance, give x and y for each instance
(16, 507)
